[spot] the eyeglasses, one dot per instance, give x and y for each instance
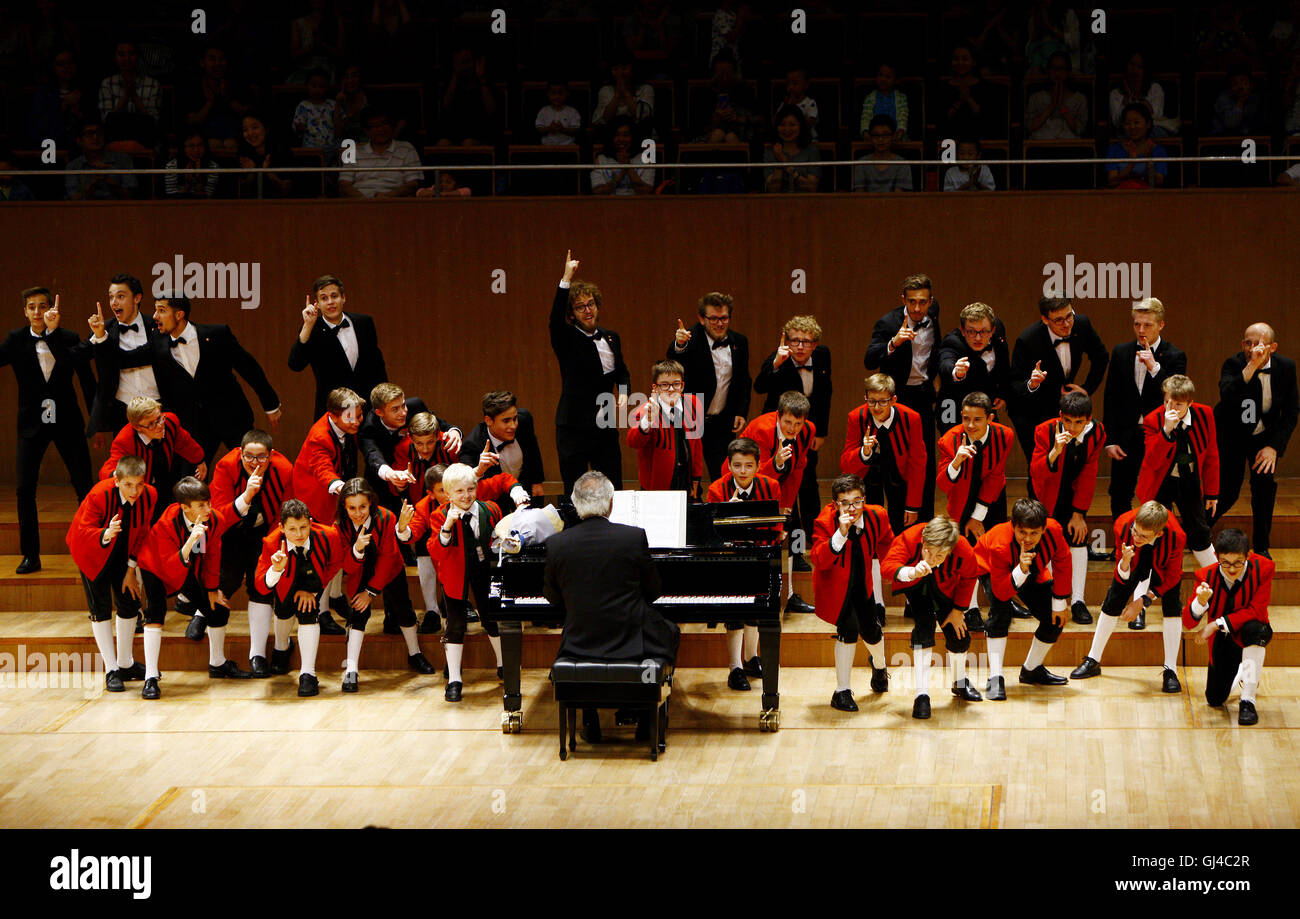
(801, 342)
(1061, 320)
(255, 458)
(850, 505)
(584, 307)
(670, 387)
(1232, 566)
(977, 333)
(717, 320)
(878, 403)
(158, 422)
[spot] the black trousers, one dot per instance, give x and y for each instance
(580, 447)
(1117, 597)
(397, 606)
(156, 601)
(810, 502)
(926, 615)
(70, 440)
(921, 399)
(1233, 463)
(891, 497)
(240, 551)
(858, 618)
(1124, 477)
(1184, 492)
(1225, 658)
(1037, 599)
(105, 592)
(1064, 510)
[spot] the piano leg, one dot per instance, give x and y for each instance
(512, 640)
(769, 651)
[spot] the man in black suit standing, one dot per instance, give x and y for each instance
(973, 358)
(1257, 411)
(44, 358)
(124, 332)
(195, 366)
(1138, 368)
(342, 349)
(591, 368)
(716, 361)
(1055, 348)
(601, 577)
(905, 346)
(508, 433)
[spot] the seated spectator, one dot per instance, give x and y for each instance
(61, 105)
(882, 169)
(315, 41)
(381, 150)
(618, 173)
(215, 104)
(732, 119)
(625, 95)
(1059, 112)
(1053, 29)
(313, 119)
(964, 101)
(885, 99)
(95, 156)
(468, 105)
(796, 94)
(128, 103)
(191, 175)
(1222, 42)
(260, 150)
(558, 122)
(1135, 122)
(1290, 178)
(1237, 109)
(11, 187)
(971, 175)
(730, 21)
(1137, 86)
(349, 104)
(793, 146)
(447, 186)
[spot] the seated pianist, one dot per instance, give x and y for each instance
(601, 577)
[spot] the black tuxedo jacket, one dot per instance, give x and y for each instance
(211, 404)
(899, 364)
(1234, 393)
(1034, 344)
(109, 360)
(379, 445)
(601, 576)
(786, 378)
(329, 364)
(995, 383)
(582, 381)
(1124, 405)
(531, 473)
(697, 360)
(71, 358)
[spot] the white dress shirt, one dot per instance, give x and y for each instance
(922, 345)
(838, 539)
(511, 455)
(133, 381)
(603, 349)
(1140, 369)
(980, 509)
(272, 576)
(187, 354)
(43, 355)
(806, 379)
(347, 339)
(1062, 347)
(1265, 399)
(881, 426)
(722, 370)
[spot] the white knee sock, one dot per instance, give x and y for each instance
(958, 664)
(1173, 632)
(454, 654)
(787, 573)
(259, 627)
(997, 654)
(877, 652)
(495, 642)
(877, 588)
(428, 582)
(1252, 668)
(735, 638)
(333, 589)
(216, 646)
(308, 642)
(412, 640)
(751, 642)
(921, 670)
(283, 628)
(1037, 654)
(1204, 556)
(974, 596)
(103, 632)
(1105, 625)
(352, 663)
(843, 664)
(1078, 572)
(125, 639)
(152, 650)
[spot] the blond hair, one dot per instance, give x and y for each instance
(1150, 305)
(941, 532)
(140, 406)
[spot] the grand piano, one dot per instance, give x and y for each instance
(729, 570)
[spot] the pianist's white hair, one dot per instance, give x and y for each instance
(593, 495)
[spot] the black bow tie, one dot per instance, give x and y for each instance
(1264, 370)
(923, 324)
(499, 447)
(808, 367)
(178, 341)
(128, 328)
(338, 328)
(787, 443)
(742, 495)
(1059, 339)
(721, 343)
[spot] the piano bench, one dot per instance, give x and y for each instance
(632, 685)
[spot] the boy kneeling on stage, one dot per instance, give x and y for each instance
(1027, 558)
(1235, 594)
(846, 534)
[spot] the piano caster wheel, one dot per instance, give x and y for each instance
(512, 722)
(770, 721)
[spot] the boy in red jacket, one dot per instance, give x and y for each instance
(846, 534)
(885, 446)
(1235, 594)
(158, 438)
(666, 432)
(1028, 558)
(105, 537)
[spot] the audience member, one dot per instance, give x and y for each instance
(60, 105)
(885, 100)
(1059, 112)
(313, 119)
(447, 186)
(1237, 107)
(381, 150)
(1137, 87)
(882, 169)
(128, 101)
(558, 122)
(964, 103)
(1290, 178)
(93, 156)
(1222, 42)
(731, 120)
(349, 104)
(617, 174)
(11, 188)
(468, 105)
(215, 104)
(796, 94)
(972, 175)
(191, 175)
(793, 145)
(625, 95)
(256, 151)
(1053, 29)
(727, 31)
(1135, 121)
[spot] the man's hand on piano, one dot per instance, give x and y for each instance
(957, 619)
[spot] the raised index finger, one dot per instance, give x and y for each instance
(99, 309)
(56, 301)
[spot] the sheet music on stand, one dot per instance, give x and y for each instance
(662, 514)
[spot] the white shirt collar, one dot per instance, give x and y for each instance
(338, 432)
(888, 422)
(1084, 433)
(335, 325)
(34, 335)
(306, 545)
(988, 430)
(1153, 345)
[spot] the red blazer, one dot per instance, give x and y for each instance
(906, 440)
(229, 480)
(954, 578)
(1167, 565)
(326, 553)
(162, 551)
(831, 574)
(1160, 452)
(319, 465)
(384, 548)
(765, 430)
(450, 559)
(763, 488)
(404, 456)
(997, 554)
(993, 464)
(656, 449)
(87, 528)
(1047, 476)
(176, 441)
(1249, 601)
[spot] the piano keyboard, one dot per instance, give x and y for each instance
(662, 601)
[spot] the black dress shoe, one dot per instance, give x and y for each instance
(431, 625)
(996, 690)
(471, 615)
(736, 680)
(350, 681)
(1140, 622)
(150, 689)
(419, 663)
(134, 672)
(308, 685)
(879, 679)
(880, 614)
(1089, 668)
(198, 625)
(1169, 682)
(974, 622)
(921, 707)
(1079, 613)
(842, 700)
(799, 563)
(186, 607)
(228, 671)
(501, 673)
(754, 667)
(280, 661)
(29, 564)
(258, 668)
(1041, 676)
(329, 627)
(391, 627)
(1094, 556)
(1019, 610)
(113, 682)
(1246, 714)
(963, 690)
(796, 604)
(452, 692)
